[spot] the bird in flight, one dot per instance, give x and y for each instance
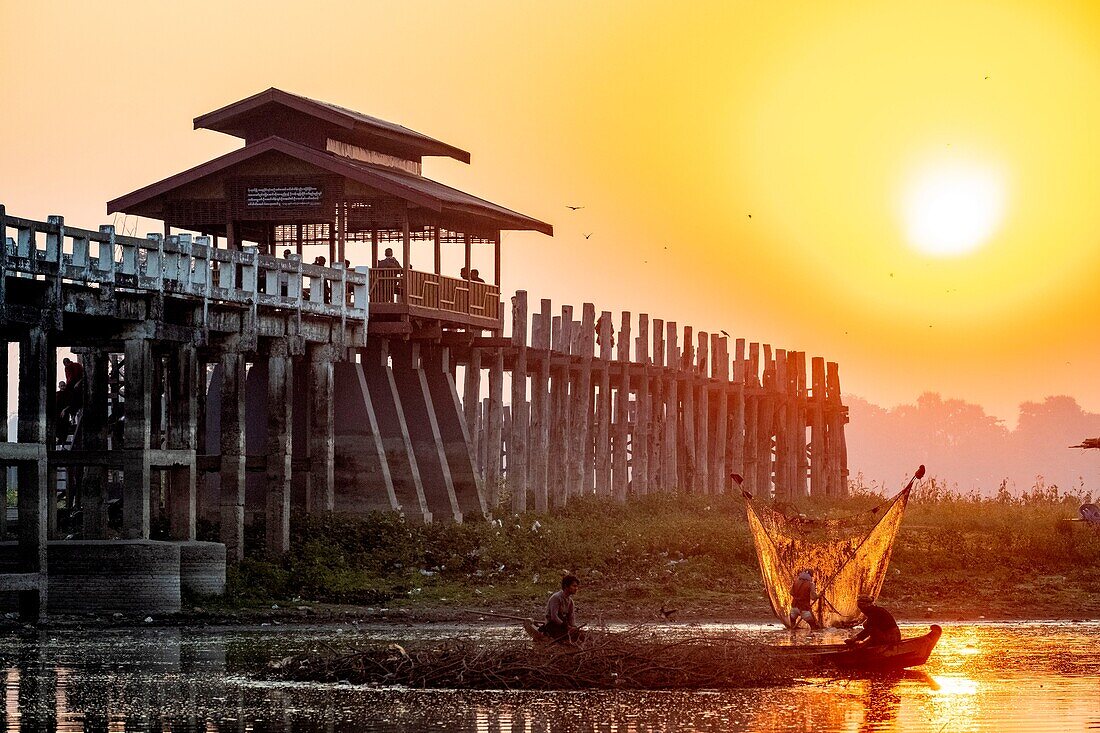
(723, 333)
(573, 208)
(750, 216)
(589, 235)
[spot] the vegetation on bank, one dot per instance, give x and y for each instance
(956, 555)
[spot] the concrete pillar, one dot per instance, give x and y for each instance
(458, 447)
(232, 455)
(424, 434)
(321, 437)
(280, 380)
(396, 444)
(183, 389)
(135, 439)
(93, 437)
(33, 492)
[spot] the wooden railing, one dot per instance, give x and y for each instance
(440, 292)
(180, 265)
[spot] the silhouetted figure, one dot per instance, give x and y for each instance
(475, 277)
(74, 375)
(63, 401)
(464, 273)
(879, 628)
(389, 261)
(803, 595)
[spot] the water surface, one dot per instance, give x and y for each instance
(982, 677)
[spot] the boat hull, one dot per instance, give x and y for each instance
(882, 658)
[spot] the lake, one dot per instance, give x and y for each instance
(1021, 676)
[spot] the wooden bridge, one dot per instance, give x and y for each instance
(226, 389)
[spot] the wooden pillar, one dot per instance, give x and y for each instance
(496, 259)
(231, 442)
(838, 415)
(639, 474)
(736, 458)
(496, 424)
(765, 426)
(280, 391)
(685, 367)
(33, 491)
(406, 253)
(657, 411)
(580, 469)
(620, 461)
(818, 461)
(438, 251)
(183, 397)
(517, 451)
(702, 415)
(4, 402)
(136, 437)
(540, 419)
(468, 254)
(471, 396)
(752, 409)
(801, 419)
(482, 438)
(322, 489)
(560, 337)
(373, 245)
(603, 407)
(721, 422)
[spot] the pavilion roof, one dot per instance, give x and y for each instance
(250, 118)
(424, 192)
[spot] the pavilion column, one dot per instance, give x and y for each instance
(406, 253)
(496, 259)
(233, 370)
(136, 439)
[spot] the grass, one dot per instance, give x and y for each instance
(956, 555)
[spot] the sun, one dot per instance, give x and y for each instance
(951, 209)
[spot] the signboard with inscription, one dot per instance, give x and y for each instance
(283, 196)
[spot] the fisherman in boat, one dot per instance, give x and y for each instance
(560, 623)
(879, 628)
(803, 594)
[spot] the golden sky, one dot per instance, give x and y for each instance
(861, 137)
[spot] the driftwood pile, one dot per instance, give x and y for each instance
(629, 660)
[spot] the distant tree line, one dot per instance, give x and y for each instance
(971, 451)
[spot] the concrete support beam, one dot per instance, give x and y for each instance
(322, 490)
(458, 445)
(363, 480)
(397, 447)
(183, 389)
(136, 438)
(280, 380)
(33, 491)
(92, 436)
(231, 443)
(424, 434)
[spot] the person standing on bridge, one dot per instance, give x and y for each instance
(389, 262)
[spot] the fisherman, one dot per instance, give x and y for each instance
(803, 594)
(560, 621)
(879, 628)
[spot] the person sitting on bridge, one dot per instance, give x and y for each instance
(803, 594)
(389, 262)
(475, 276)
(560, 623)
(879, 628)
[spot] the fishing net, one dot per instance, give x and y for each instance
(849, 556)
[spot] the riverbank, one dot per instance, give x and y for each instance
(956, 558)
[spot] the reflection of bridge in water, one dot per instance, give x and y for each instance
(225, 388)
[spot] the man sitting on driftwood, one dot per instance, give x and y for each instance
(561, 626)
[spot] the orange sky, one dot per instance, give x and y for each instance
(671, 126)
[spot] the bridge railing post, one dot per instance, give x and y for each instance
(106, 259)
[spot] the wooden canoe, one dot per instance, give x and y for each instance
(906, 653)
